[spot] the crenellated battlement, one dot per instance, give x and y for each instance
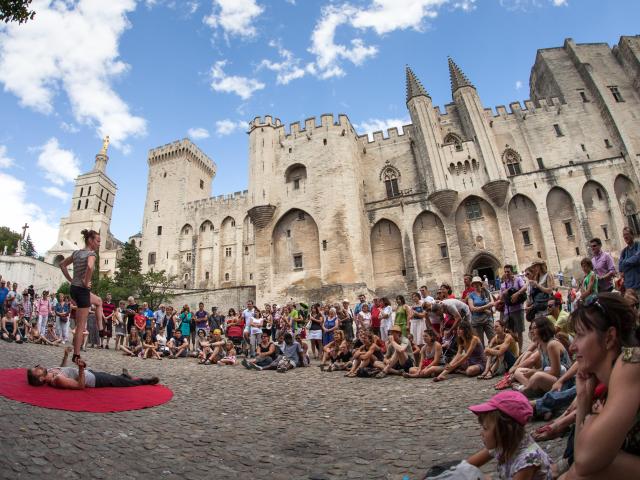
(181, 148)
(219, 200)
(392, 136)
(531, 107)
(266, 121)
(311, 125)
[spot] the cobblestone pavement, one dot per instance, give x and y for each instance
(231, 423)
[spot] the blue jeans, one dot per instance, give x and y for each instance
(551, 402)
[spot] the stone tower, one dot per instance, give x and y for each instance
(91, 207)
(179, 173)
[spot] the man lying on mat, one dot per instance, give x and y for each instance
(78, 378)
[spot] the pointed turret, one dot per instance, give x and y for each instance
(458, 79)
(414, 87)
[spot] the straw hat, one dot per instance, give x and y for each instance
(395, 328)
(476, 279)
(538, 261)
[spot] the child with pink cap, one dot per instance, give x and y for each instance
(503, 419)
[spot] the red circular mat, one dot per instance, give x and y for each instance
(13, 385)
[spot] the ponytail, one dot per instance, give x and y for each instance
(88, 235)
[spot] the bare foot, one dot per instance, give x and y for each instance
(67, 351)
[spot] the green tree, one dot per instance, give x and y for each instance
(16, 11)
(9, 239)
(28, 248)
(64, 288)
(155, 286)
(128, 278)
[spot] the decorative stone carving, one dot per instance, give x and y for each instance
(261, 215)
(497, 191)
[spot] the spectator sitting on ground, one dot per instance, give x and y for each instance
(330, 351)
(229, 357)
(178, 345)
(501, 353)
(365, 356)
(305, 349)
(265, 354)
(216, 349)
(431, 358)
(134, 344)
(162, 342)
(554, 360)
(202, 343)
(470, 359)
(606, 445)
(150, 344)
(50, 337)
(399, 356)
(10, 330)
(292, 357)
(558, 316)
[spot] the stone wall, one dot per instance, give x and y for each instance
(30, 271)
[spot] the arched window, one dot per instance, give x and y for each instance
(454, 139)
(296, 174)
(186, 230)
(512, 160)
(633, 220)
(206, 225)
(472, 206)
(390, 176)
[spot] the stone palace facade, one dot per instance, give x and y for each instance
(329, 213)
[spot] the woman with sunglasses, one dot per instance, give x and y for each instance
(606, 445)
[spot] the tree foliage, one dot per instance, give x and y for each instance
(64, 288)
(28, 248)
(9, 239)
(151, 287)
(16, 11)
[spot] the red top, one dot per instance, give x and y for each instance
(108, 308)
(140, 321)
(375, 317)
(466, 292)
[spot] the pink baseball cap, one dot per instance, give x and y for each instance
(509, 402)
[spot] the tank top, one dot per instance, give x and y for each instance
(80, 260)
(565, 361)
(73, 374)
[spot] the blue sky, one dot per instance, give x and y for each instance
(150, 72)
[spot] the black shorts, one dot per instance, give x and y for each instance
(80, 295)
(404, 366)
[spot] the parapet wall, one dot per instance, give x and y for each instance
(181, 148)
(220, 200)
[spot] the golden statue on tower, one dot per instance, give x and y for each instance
(105, 145)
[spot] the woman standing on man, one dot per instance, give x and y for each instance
(84, 262)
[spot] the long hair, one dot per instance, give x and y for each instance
(34, 380)
(508, 433)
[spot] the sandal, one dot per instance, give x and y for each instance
(75, 358)
(381, 375)
(504, 383)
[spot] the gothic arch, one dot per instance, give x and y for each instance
(525, 229)
(595, 199)
(452, 138)
(248, 250)
(388, 257)
(628, 200)
(477, 228)
(296, 247)
(206, 226)
(186, 229)
(390, 175)
(484, 264)
(432, 251)
(512, 162)
(564, 227)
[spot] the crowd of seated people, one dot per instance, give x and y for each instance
(578, 371)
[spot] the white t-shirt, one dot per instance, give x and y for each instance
(256, 321)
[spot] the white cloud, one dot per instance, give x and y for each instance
(377, 125)
(288, 69)
(234, 17)
(59, 165)
(71, 47)
(227, 126)
(241, 86)
(329, 53)
(42, 229)
(5, 160)
(560, 3)
(56, 192)
(198, 133)
(518, 84)
(381, 16)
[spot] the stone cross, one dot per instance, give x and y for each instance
(24, 230)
